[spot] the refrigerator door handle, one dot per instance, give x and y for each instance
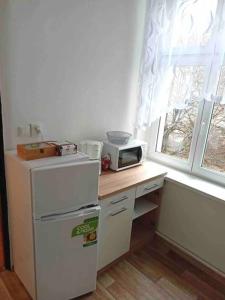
(70, 215)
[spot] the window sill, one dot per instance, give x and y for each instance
(206, 188)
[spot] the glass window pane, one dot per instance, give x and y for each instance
(176, 129)
(214, 156)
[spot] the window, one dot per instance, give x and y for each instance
(214, 156)
(214, 153)
(176, 128)
(192, 137)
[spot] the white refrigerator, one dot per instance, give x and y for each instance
(53, 213)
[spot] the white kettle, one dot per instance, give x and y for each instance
(92, 148)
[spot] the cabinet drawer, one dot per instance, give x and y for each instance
(117, 199)
(114, 231)
(149, 187)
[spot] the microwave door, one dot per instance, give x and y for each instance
(128, 157)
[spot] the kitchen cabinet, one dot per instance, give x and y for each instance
(130, 205)
(115, 226)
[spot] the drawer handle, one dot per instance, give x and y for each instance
(118, 212)
(152, 187)
(119, 200)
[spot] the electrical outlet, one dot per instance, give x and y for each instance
(35, 129)
(32, 130)
(23, 131)
(19, 131)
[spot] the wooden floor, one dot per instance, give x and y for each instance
(1, 247)
(154, 273)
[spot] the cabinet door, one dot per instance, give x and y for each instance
(115, 231)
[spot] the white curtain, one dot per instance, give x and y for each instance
(184, 45)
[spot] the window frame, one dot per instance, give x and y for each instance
(183, 165)
(197, 168)
(199, 139)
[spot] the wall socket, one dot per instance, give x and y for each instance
(30, 130)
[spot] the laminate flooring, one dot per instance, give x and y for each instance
(155, 272)
(1, 246)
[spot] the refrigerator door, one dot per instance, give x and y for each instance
(66, 254)
(63, 188)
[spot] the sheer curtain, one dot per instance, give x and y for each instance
(184, 40)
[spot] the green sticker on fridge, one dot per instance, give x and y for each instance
(89, 231)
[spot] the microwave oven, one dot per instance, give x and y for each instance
(125, 156)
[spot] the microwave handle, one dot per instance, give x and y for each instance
(140, 154)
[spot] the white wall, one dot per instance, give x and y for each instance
(71, 65)
(195, 222)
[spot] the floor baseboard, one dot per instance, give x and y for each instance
(192, 258)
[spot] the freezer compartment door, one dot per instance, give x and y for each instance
(65, 187)
(66, 254)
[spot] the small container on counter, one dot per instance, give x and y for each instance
(36, 150)
(65, 148)
(106, 162)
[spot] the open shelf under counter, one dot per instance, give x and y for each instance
(143, 206)
(142, 234)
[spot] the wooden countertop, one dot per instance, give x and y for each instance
(111, 182)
